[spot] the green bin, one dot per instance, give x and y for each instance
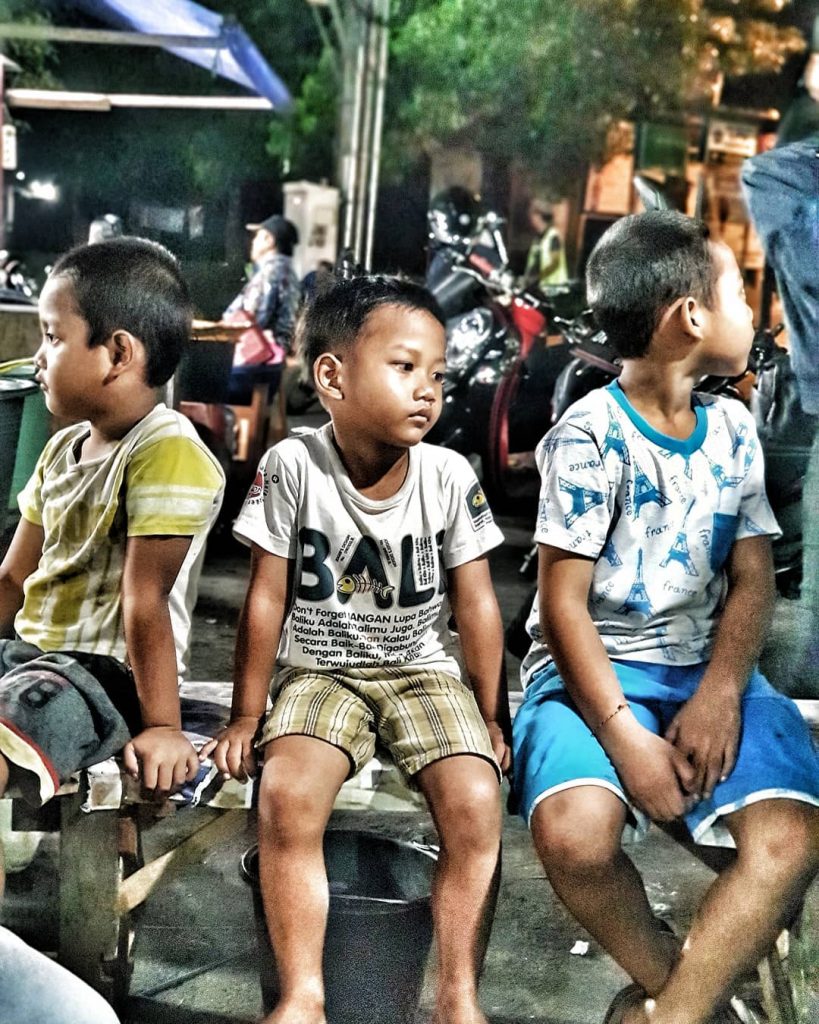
(12, 400)
(23, 442)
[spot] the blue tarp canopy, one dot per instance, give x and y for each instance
(237, 59)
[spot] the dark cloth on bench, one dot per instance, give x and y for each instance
(61, 711)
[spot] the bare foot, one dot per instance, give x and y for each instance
(306, 1010)
(457, 1008)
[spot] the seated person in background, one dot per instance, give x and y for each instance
(271, 298)
(655, 592)
(113, 518)
(362, 541)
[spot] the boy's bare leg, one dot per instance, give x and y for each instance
(464, 799)
(300, 780)
(577, 834)
(743, 911)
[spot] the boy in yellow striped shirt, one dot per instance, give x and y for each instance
(113, 518)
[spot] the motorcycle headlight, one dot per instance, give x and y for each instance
(466, 337)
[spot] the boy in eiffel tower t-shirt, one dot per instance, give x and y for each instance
(655, 591)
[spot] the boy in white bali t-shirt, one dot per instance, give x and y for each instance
(364, 542)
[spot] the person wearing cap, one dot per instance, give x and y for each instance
(109, 225)
(546, 263)
(269, 300)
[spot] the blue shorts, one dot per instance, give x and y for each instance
(554, 749)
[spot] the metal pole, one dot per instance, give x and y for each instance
(353, 129)
(367, 118)
(108, 37)
(378, 127)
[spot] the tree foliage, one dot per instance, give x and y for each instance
(543, 80)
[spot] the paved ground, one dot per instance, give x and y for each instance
(196, 960)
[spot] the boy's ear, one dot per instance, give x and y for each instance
(125, 353)
(327, 373)
(691, 317)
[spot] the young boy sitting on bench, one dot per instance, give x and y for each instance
(655, 592)
(114, 516)
(363, 540)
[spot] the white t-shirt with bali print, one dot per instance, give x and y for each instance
(659, 516)
(370, 576)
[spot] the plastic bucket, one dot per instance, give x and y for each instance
(13, 394)
(35, 426)
(379, 928)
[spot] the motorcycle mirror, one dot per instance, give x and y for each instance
(649, 193)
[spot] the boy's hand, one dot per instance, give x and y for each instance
(706, 731)
(164, 756)
(232, 750)
(500, 746)
(656, 775)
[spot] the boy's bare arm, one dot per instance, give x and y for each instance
(22, 558)
(480, 630)
(707, 727)
(161, 751)
(257, 643)
(654, 774)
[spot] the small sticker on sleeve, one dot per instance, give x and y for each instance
(258, 489)
(480, 515)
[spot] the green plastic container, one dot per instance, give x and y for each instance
(32, 431)
(12, 399)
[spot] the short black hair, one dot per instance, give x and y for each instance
(335, 317)
(132, 284)
(639, 267)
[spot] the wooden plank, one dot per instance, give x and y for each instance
(138, 886)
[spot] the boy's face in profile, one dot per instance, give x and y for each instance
(68, 369)
(393, 376)
(728, 330)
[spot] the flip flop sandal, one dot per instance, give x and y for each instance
(628, 997)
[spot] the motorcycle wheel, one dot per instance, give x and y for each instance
(502, 481)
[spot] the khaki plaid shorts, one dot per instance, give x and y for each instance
(418, 715)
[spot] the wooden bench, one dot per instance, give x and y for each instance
(101, 814)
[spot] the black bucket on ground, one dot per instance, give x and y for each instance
(379, 929)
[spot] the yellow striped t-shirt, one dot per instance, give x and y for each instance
(159, 480)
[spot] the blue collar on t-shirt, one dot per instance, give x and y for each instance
(672, 444)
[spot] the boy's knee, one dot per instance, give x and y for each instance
(286, 802)
(568, 841)
(471, 814)
(787, 847)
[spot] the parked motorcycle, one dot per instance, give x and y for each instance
(498, 376)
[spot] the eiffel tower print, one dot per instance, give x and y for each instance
(723, 480)
(678, 552)
(738, 437)
(609, 552)
(551, 444)
(645, 492)
(750, 452)
(583, 499)
(615, 441)
(637, 601)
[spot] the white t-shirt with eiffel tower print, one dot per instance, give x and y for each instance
(659, 516)
(370, 576)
